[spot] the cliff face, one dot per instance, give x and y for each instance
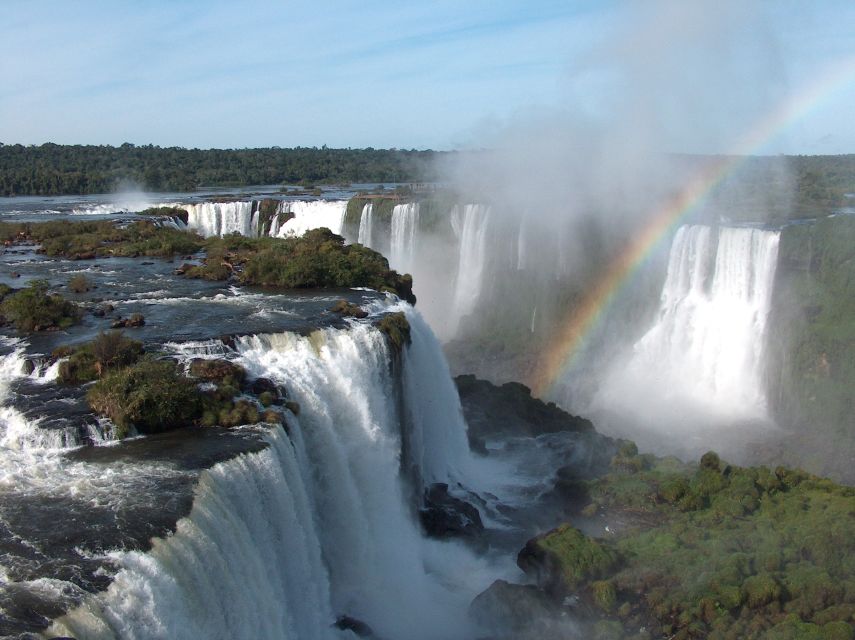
(811, 364)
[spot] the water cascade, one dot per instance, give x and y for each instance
(221, 218)
(321, 523)
(704, 353)
(365, 236)
(405, 222)
(470, 225)
(312, 214)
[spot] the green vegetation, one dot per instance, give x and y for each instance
(34, 309)
(151, 396)
(715, 551)
(812, 347)
(88, 240)
(582, 558)
(106, 353)
(318, 259)
(321, 259)
(52, 169)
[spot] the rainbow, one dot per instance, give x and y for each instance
(585, 316)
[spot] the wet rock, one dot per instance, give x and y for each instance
(445, 516)
(263, 385)
(134, 320)
(184, 268)
(509, 610)
(348, 309)
(14, 274)
(346, 623)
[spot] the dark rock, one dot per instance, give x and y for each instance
(508, 610)
(571, 486)
(346, 623)
(262, 385)
(29, 366)
(184, 268)
(444, 516)
(293, 407)
(14, 274)
(541, 566)
(229, 341)
(134, 320)
(348, 309)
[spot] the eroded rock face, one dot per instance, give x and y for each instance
(445, 516)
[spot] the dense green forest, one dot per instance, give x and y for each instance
(52, 169)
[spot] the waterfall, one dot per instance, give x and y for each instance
(221, 218)
(365, 226)
(320, 524)
(472, 225)
(405, 221)
(245, 563)
(705, 349)
(313, 215)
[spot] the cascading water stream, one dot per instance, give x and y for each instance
(405, 222)
(471, 225)
(222, 218)
(313, 215)
(365, 236)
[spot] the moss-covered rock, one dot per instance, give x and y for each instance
(220, 372)
(565, 558)
(396, 327)
(348, 309)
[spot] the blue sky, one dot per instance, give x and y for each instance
(410, 74)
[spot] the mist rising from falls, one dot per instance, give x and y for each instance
(703, 356)
(323, 522)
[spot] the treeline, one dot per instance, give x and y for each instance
(780, 187)
(52, 169)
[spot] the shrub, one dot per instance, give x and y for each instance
(79, 284)
(151, 396)
(34, 309)
(107, 352)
